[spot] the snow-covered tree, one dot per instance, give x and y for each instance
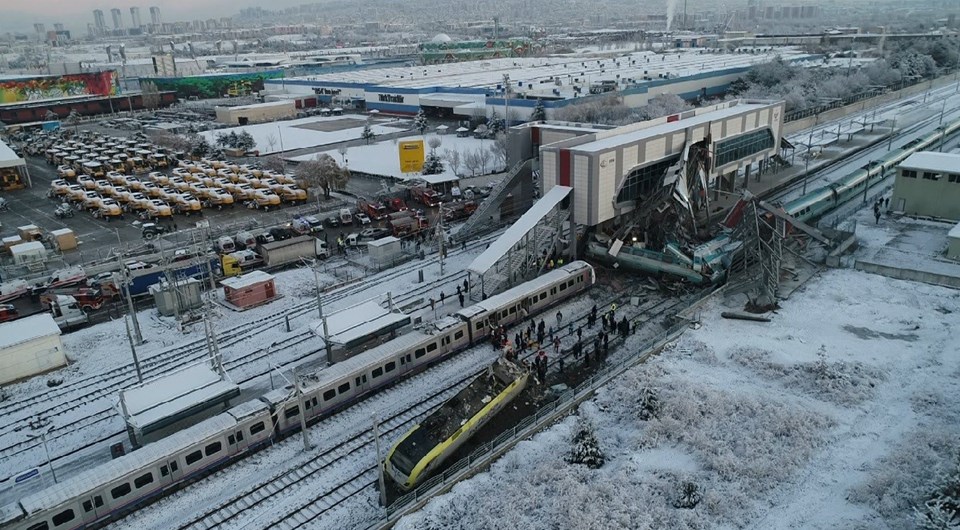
(368, 135)
(274, 163)
(539, 112)
(936, 515)
(322, 173)
(199, 146)
(648, 404)
(495, 123)
(433, 164)
(586, 450)
(482, 131)
(245, 141)
(434, 142)
(271, 141)
(664, 105)
(688, 495)
(420, 121)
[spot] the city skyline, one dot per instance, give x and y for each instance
(76, 15)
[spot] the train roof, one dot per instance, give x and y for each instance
(510, 295)
(247, 409)
(366, 359)
(106, 473)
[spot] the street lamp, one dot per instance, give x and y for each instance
(43, 438)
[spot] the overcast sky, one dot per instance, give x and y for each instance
(20, 15)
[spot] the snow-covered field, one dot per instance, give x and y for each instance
(298, 134)
(383, 158)
(840, 413)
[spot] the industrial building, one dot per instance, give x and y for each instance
(30, 346)
(257, 113)
(251, 289)
(477, 88)
(928, 184)
(13, 170)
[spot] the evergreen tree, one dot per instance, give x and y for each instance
(368, 135)
(245, 141)
(495, 124)
(688, 496)
(586, 449)
(199, 147)
(233, 139)
(433, 165)
(649, 404)
(420, 122)
(539, 112)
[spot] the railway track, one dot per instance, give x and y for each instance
(359, 445)
(107, 384)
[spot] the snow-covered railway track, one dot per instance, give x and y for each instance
(20, 413)
(339, 460)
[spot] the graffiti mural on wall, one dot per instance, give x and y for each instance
(217, 85)
(58, 86)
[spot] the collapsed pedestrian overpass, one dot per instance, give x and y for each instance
(526, 248)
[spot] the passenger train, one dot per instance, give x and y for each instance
(818, 202)
(115, 488)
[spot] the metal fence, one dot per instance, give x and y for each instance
(547, 414)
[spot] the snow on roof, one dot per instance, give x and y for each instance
(8, 158)
(616, 140)
(298, 133)
(954, 232)
(26, 248)
(174, 393)
(61, 232)
(366, 318)
(383, 241)
(517, 230)
(932, 161)
(511, 295)
(282, 103)
(248, 279)
(101, 475)
(27, 329)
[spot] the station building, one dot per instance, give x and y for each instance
(514, 85)
(610, 170)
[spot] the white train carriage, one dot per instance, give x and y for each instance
(529, 298)
(120, 485)
(346, 382)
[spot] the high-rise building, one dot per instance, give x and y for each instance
(99, 22)
(155, 16)
(117, 18)
(58, 27)
(135, 16)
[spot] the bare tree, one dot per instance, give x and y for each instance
(274, 163)
(434, 142)
(499, 149)
(271, 141)
(484, 156)
(322, 173)
(452, 158)
(471, 160)
(343, 154)
(170, 141)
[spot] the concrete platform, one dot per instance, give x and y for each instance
(905, 248)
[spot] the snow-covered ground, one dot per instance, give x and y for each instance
(383, 158)
(837, 414)
(309, 132)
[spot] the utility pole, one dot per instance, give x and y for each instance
(303, 411)
(46, 450)
(133, 351)
(506, 99)
(137, 336)
(376, 438)
(806, 167)
(440, 236)
(316, 277)
(892, 127)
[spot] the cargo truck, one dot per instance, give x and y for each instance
(281, 253)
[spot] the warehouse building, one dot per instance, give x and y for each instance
(478, 88)
(30, 346)
(928, 184)
(257, 113)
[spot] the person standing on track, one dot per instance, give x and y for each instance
(559, 319)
